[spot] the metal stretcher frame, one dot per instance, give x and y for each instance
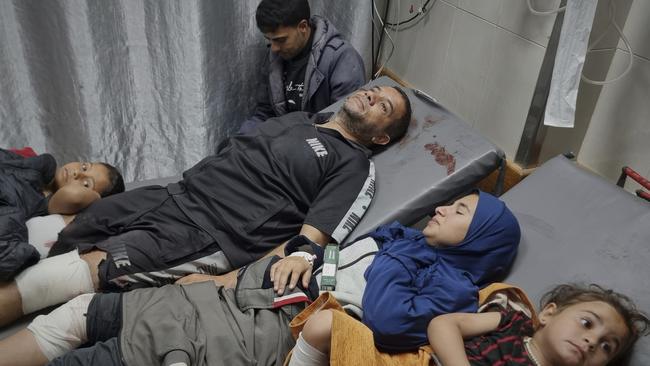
(578, 227)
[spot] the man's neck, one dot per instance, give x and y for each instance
(306, 48)
(335, 123)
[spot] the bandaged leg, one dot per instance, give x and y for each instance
(53, 281)
(304, 354)
(63, 329)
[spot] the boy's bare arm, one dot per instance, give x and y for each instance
(71, 199)
(446, 334)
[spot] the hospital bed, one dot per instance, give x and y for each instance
(577, 227)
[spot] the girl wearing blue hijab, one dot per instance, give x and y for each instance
(418, 275)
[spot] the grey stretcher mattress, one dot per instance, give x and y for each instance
(441, 157)
(577, 227)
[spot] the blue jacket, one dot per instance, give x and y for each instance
(411, 282)
(334, 70)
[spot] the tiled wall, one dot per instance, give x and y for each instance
(619, 131)
(481, 59)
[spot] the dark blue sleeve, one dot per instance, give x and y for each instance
(398, 310)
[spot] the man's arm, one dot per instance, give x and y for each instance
(288, 271)
(296, 267)
(446, 334)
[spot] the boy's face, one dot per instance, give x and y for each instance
(90, 175)
(449, 226)
(586, 334)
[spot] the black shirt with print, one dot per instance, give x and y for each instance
(294, 77)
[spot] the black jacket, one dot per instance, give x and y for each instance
(21, 197)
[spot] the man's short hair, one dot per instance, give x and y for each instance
(115, 181)
(398, 129)
(272, 14)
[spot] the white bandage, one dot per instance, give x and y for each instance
(64, 329)
(53, 281)
(42, 232)
(307, 256)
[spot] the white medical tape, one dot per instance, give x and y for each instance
(53, 281)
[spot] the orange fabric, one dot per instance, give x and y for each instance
(352, 342)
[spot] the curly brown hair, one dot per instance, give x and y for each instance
(636, 321)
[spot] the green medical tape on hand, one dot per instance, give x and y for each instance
(330, 264)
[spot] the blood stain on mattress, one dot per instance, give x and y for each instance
(441, 156)
(431, 120)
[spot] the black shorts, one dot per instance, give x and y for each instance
(148, 239)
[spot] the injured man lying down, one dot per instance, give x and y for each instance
(297, 174)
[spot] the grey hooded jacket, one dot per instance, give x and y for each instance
(334, 70)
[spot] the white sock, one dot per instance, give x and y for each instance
(304, 354)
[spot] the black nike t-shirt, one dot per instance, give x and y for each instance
(259, 189)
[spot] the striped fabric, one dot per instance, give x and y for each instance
(504, 346)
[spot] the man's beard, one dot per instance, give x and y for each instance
(357, 125)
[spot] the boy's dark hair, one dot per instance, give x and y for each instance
(398, 129)
(116, 182)
(272, 14)
(569, 294)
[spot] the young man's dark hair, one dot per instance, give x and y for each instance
(115, 179)
(272, 14)
(398, 129)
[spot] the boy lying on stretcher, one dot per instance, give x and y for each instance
(34, 186)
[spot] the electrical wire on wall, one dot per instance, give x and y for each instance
(421, 11)
(549, 12)
(612, 21)
(395, 28)
(392, 43)
(380, 34)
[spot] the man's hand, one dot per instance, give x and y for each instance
(290, 269)
(228, 280)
